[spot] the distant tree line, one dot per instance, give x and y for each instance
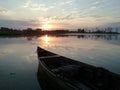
(108, 30)
(28, 31)
(38, 31)
(56, 32)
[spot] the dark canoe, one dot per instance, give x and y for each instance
(60, 73)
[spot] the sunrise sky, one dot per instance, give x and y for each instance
(59, 14)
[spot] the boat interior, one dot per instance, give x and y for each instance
(72, 70)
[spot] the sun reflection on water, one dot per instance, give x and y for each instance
(46, 40)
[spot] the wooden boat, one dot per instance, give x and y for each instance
(56, 72)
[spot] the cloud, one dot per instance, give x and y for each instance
(97, 4)
(6, 13)
(19, 23)
(61, 18)
(74, 16)
(113, 24)
(46, 6)
(36, 6)
(65, 16)
(66, 2)
(118, 17)
(63, 2)
(95, 16)
(2, 10)
(92, 7)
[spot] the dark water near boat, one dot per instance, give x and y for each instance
(19, 63)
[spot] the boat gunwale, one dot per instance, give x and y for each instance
(99, 69)
(66, 82)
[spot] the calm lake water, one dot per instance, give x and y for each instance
(19, 63)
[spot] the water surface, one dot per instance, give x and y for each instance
(19, 63)
(98, 50)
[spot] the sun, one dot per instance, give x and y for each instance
(47, 26)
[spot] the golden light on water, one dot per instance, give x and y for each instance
(46, 38)
(44, 41)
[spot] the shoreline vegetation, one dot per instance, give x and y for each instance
(4, 31)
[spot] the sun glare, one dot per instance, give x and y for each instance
(46, 26)
(46, 38)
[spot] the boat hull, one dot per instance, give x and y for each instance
(87, 77)
(49, 82)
